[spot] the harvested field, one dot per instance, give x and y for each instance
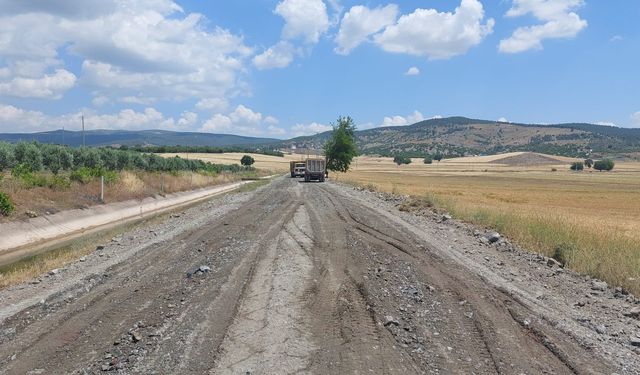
(529, 158)
(263, 162)
(598, 213)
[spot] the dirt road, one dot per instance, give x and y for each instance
(295, 278)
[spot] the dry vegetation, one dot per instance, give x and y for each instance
(128, 185)
(592, 218)
(34, 266)
(37, 265)
(274, 164)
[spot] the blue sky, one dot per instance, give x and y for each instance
(282, 68)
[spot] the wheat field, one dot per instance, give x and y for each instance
(595, 215)
(275, 164)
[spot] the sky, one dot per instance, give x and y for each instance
(285, 68)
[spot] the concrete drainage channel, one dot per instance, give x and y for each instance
(37, 235)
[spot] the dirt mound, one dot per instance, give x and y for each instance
(528, 158)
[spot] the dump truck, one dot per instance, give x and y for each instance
(297, 168)
(315, 170)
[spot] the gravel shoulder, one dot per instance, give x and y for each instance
(315, 278)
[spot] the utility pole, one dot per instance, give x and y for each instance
(83, 144)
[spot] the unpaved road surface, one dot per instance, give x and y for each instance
(313, 278)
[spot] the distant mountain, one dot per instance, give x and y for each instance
(464, 136)
(143, 137)
(452, 136)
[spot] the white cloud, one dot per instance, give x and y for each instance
(616, 38)
(559, 22)
(304, 19)
(19, 120)
(503, 119)
(187, 120)
(49, 86)
(270, 120)
(217, 123)
(132, 99)
(99, 101)
(635, 120)
(126, 119)
(437, 35)
(413, 71)
(360, 22)
(309, 129)
(401, 120)
(278, 56)
(245, 116)
(13, 119)
(244, 121)
(143, 48)
(213, 104)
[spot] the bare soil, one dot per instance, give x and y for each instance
(313, 278)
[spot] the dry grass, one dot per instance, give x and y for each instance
(129, 185)
(593, 216)
(273, 164)
(34, 266)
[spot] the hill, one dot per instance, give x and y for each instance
(460, 136)
(143, 137)
(452, 136)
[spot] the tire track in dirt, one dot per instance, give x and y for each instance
(473, 307)
(303, 279)
(269, 334)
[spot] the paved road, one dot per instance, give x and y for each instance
(304, 278)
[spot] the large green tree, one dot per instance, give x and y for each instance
(340, 149)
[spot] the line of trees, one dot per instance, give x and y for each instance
(36, 157)
(200, 150)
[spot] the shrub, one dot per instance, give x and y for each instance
(247, 161)
(110, 177)
(58, 182)
(109, 158)
(31, 180)
(82, 175)
(21, 170)
(29, 153)
(6, 156)
(401, 160)
(564, 253)
(604, 165)
(87, 157)
(124, 160)
(588, 163)
(554, 169)
(56, 158)
(577, 166)
(428, 159)
(6, 205)
(437, 157)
